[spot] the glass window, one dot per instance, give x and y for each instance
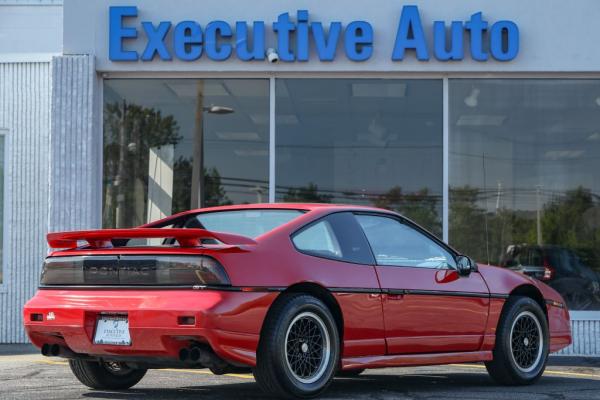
(347, 241)
(251, 223)
(2, 162)
(524, 182)
(361, 141)
(161, 135)
(318, 239)
(398, 244)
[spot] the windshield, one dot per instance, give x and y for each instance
(250, 223)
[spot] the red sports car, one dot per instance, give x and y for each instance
(295, 292)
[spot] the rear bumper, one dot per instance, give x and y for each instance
(228, 321)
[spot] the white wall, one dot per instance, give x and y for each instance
(27, 29)
(25, 114)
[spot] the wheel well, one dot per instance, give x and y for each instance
(322, 294)
(533, 293)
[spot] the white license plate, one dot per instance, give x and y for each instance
(111, 329)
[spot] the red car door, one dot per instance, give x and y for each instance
(427, 306)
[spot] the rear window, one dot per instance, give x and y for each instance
(250, 223)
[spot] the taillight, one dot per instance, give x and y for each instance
(134, 270)
(548, 273)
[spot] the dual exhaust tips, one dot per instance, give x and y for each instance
(50, 350)
(193, 354)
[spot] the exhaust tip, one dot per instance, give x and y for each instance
(195, 354)
(184, 354)
(55, 350)
(46, 349)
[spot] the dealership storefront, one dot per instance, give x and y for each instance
(480, 121)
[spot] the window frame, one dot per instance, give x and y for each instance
(405, 221)
(324, 217)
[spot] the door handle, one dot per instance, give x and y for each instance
(395, 296)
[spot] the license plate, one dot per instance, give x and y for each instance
(111, 329)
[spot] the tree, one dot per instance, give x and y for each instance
(306, 194)
(215, 194)
(130, 131)
(419, 206)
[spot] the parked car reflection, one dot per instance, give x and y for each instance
(559, 267)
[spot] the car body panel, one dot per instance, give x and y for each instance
(417, 321)
(452, 318)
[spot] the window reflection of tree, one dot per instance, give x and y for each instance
(570, 223)
(420, 206)
(130, 132)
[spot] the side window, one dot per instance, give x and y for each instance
(318, 239)
(398, 244)
(337, 236)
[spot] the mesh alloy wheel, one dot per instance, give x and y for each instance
(526, 341)
(522, 343)
(307, 347)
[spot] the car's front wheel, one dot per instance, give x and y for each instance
(522, 343)
(105, 375)
(299, 348)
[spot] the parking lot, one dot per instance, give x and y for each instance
(31, 376)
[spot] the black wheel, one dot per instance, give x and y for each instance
(349, 373)
(105, 375)
(298, 351)
(522, 343)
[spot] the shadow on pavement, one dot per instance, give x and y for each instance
(17, 349)
(434, 386)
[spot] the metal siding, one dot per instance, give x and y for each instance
(25, 113)
(76, 146)
(585, 327)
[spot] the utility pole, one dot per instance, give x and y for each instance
(538, 190)
(197, 195)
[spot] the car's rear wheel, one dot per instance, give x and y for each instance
(106, 375)
(299, 348)
(522, 343)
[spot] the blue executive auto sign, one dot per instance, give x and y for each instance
(219, 40)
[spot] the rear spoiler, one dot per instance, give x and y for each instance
(103, 238)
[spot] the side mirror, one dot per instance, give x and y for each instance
(464, 265)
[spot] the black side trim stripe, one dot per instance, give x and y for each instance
(166, 287)
(446, 293)
(260, 289)
(355, 290)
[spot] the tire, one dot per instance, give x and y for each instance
(282, 367)
(350, 373)
(522, 343)
(105, 375)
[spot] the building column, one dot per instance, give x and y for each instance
(75, 145)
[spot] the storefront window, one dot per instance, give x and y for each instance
(524, 182)
(159, 134)
(374, 142)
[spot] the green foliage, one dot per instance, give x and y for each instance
(571, 221)
(130, 131)
(419, 206)
(214, 192)
(306, 194)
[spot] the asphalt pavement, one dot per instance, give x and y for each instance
(26, 375)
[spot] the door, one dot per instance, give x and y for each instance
(427, 306)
